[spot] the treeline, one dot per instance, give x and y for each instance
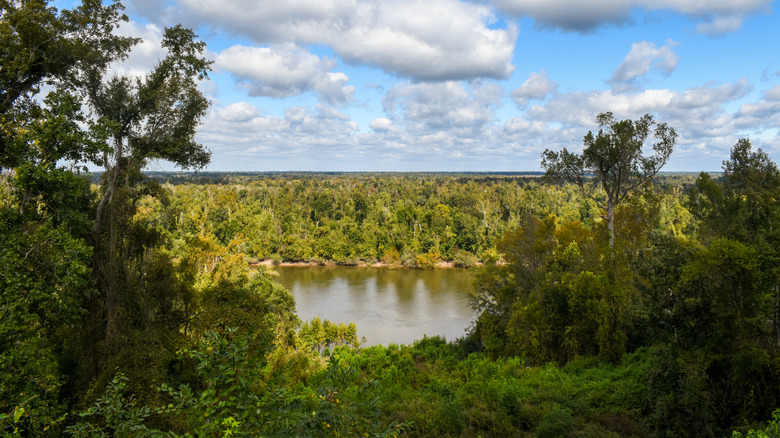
(409, 220)
(233, 177)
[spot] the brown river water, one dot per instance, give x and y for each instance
(387, 305)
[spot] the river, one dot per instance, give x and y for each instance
(387, 305)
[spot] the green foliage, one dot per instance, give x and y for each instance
(233, 398)
(743, 205)
(614, 157)
(321, 336)
(42, 45)
(558, 423)
(117, 415)
(439, 391)
(772, 429)
(411, 220)
(347, 405)
(254, 303)
(44, 278)
(556, 298)
(229, 402)
(420, 390)
(718, 317)
(464, 259)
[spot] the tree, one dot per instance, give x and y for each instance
(614, 158)
(145, 118)
(551, 301)
(45, 209)
(718, 304)
(743, 206)
(44, 46)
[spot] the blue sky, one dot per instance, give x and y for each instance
(446, 85)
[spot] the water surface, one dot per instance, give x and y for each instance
(387, 305)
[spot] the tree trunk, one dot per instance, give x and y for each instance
(611, 227)
(105, 247)
(777, 315)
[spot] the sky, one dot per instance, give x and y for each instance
(481, 85)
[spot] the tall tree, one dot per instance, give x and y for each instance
(153, 117)
(44, 208)
(612, 161)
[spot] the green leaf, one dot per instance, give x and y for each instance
(18, 412)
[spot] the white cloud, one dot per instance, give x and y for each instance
(284, 70)
(773, 94)
(537, 86)
(452, 126)
(328, 111)
(382, 124)
(431, 40)
(240, 112)
(144, 54)
(643, 57)
(443, 106)
(710, 7)
(573, 15)
(242, 133)
(698, 114)
(718, 16)
(762, 114)
(709, 95)
(720, 25)
(696, 109)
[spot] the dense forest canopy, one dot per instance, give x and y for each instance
(129, 307)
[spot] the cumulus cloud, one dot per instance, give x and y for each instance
(449, 120)
(242, 133)
(382, 124)
(240, 112)
(431, 40)
(643, 57)
(709, 95)
(763, 114)
(285, 70)
(444, 105)
(537, 86)
(580, 108)
(773, 94)
(452, 126)
(572, 15)
(717, 16)
(707, 129)
(328, 111)
(695, 108)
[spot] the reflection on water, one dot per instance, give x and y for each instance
(388, 305)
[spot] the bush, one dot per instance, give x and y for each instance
(557, 424)
(772, 430)
(464, 259)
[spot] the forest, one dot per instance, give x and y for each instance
(612, 300)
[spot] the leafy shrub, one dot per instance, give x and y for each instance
(772, 430)
(464, 259)
(557, 424)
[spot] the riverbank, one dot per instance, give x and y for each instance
(361, 264)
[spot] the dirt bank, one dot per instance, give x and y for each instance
(270, 263)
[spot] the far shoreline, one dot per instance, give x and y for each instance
(269, 263)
